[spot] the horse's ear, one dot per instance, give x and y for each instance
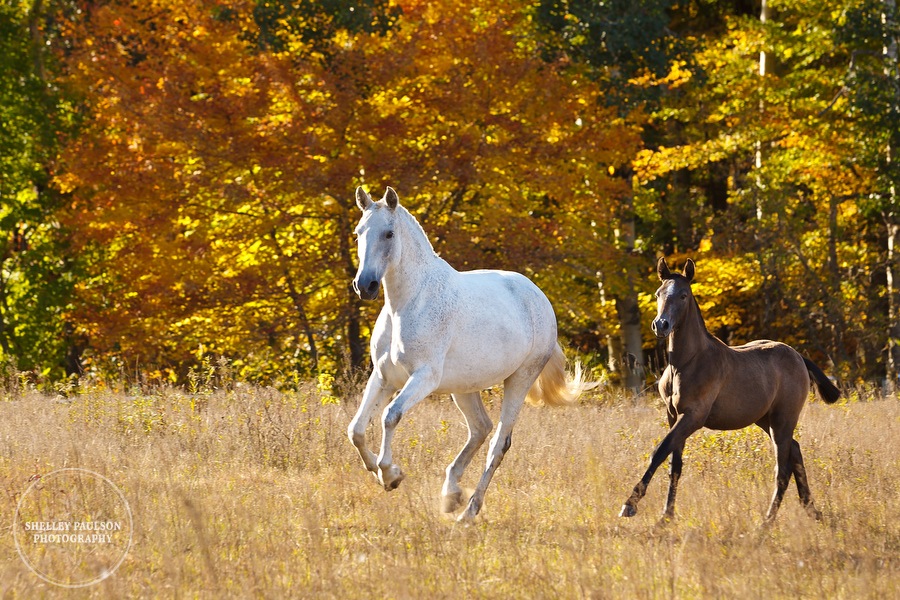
(662, 269)
(391, 198)
(363, 200)
(689, 270)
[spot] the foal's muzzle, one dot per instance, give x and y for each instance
(661, 327)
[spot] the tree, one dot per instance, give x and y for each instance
(212, 190)
(36, 271)
(872, 84)
(626, 49)
(795, 214)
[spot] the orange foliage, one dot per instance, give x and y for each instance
(214, 185)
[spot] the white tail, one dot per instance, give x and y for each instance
(553, 386)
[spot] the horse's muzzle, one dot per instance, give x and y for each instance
(661, 327)
(367, 290)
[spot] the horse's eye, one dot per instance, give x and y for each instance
(683, 296)
(389, 235)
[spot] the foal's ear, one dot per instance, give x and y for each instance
(391, 198)
(363, 200)
(662, 269)
(689, 270)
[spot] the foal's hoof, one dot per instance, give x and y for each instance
(390, 477)
(814, 512)
(628, 511)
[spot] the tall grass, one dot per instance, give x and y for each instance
(250, 492)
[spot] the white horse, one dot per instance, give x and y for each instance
(442, 331)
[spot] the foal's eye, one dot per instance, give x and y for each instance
(389, 235)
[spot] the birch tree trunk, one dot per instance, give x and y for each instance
(763, 18)
(889, 52)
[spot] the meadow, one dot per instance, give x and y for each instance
(243, 491)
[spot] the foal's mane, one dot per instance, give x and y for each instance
(696, 304)
(700, 314)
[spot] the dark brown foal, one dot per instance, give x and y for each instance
(710, 384)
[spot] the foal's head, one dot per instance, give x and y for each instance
(673, 298)
(378, 244)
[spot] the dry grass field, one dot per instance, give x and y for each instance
(250, 492)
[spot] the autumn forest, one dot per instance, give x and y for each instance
(177, 177)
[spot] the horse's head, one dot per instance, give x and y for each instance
(672, 298)
(378, 247)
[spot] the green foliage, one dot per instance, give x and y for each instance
(316, 23)
(37, 274)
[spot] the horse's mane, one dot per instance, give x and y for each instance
(416, 228)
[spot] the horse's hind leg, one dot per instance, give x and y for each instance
(480, 425)
(799, 471)
(514, 390)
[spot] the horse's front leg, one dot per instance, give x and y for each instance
(375, 395)
(684, 427)
(421, 383)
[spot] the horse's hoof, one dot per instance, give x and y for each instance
(390, 477)
(628, 511)
(467, 517)
(451, 502)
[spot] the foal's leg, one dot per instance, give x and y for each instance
(674, 476)
(377, 392)
(799, 471)
(514, 389)
(421, 383)
(783, 469)
(480, 425)
(674, 473)
(686, 424)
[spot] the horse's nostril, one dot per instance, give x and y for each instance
(372, 287)
(660, 327)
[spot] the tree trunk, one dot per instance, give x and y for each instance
(633, 357)
(833, 303)
(353, 306)
(627, 307)
(893, 330)
(763, 17)
(889, 51)
(298, 299)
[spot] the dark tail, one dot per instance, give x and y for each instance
(827, 390)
